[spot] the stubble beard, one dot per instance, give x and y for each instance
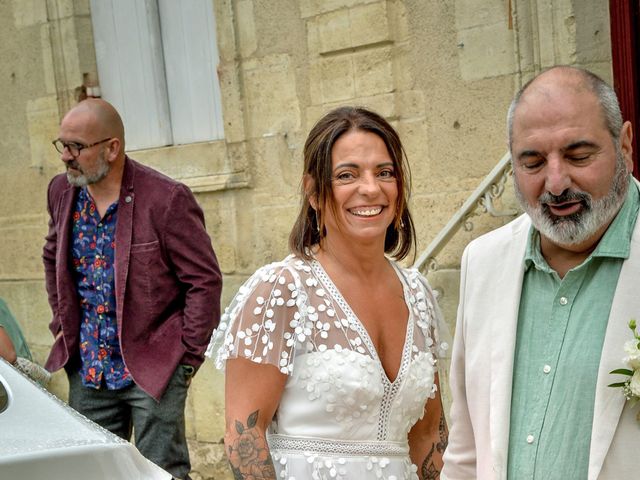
(84, 179)
(577, 228)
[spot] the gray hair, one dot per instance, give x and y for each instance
(602, 90)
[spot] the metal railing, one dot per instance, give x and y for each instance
(479, 202)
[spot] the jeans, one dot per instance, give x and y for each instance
(158, 427)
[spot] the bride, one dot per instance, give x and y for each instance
(330, 354)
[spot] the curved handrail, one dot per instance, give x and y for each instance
(480, 201)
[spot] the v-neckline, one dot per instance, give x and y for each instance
(362, 330)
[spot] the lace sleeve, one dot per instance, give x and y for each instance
(431, 320)
(263, 321)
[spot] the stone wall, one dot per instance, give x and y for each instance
(443, 72)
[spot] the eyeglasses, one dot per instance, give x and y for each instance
(74, 147)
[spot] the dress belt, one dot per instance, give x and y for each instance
(336, 447)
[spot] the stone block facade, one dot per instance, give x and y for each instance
(443, 72)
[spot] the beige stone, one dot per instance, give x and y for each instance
(399, 22)
(557, 27)
(412, 137)
(42, 118)
(60, 9)
(470, 13)
(315, 84)
(47, 59)
(270, 88)
(401, 64)
(383, 103)
(233, 113)
(592, 29)
(373, 72)
(211, 462)
(409, 105)
(22, 239)
(226, 38)
(32, 312)
(246, 28)
(446, 282)
(349, 28)
(442, 73)
(334, 31)
(309, 8)
(29, 12)
(337, 79)
(369, 24)
(82, 7)
(206, 396)
(479, 44)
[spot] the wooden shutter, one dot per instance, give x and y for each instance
(131, 68)
(191, 60)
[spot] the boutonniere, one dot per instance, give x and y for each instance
(631, 386)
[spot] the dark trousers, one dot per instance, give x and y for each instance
(158, 427)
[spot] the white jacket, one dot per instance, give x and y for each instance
(483, 355)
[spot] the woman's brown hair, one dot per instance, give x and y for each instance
(309, 227)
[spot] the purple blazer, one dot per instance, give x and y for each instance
(167, 279)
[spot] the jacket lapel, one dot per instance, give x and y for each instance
(609, 401)
(124, 230)
(64, 276)
(504, 322)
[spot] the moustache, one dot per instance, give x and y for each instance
(566, 196)
(73, 164)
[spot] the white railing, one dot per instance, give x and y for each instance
(479, 202)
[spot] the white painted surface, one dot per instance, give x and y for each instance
(131, 68)
(44, 439)
(157, 64)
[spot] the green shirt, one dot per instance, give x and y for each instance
(11, 327)
(561, 328)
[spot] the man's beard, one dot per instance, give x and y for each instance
(578, 227)
(84, 179)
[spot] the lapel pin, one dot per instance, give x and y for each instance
(128, 199)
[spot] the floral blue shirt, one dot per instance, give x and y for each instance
(93, 255)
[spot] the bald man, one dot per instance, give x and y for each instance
(133, 283)
(546, 300)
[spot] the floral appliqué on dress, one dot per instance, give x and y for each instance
(339, 416)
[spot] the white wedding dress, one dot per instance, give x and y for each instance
(339, 416)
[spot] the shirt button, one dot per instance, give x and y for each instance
(529, 438)
(546, 369)
(563, 300)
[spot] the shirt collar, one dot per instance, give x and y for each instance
(615, 243)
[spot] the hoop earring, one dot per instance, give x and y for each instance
(317, 222)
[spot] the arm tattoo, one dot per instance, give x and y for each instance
(429, 470)
(249, 454)
(444, 434)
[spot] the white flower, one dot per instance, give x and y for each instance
(633, 358)
(634, 384)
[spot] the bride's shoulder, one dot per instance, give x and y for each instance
(292, 265)
(413, 278)
(290, 271)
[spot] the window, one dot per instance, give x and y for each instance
(157, 62)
